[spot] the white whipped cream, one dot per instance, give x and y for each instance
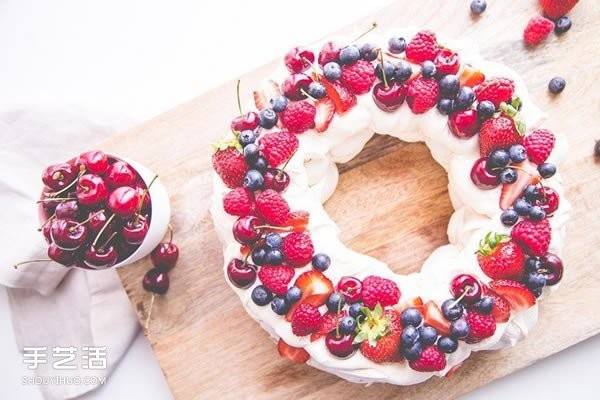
(314, 176)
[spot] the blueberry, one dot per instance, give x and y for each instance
(447, 345)
(535, 280)
(562, 25)
(389, 69)
(533, 265)
(537, 213)
(279, 103)
(274, 257)
(556, 85)
(427, 335)
(260, 164)
(251, 153)
(451, 310)
(316, 90)
(253, 180)
(508, 176)
(332, 71)
(498, 159)
(537, 292)
(531, 193)
(485, 109)
(267, 118)
(261, 296)
(403, 71)
(485, 305)
(335, 302)
(517, 153)
(293, 294)
(413, 352)
(459, 328)
(478, 6)
(547, 170)
(347, 325)
(509, 217)
(464, 98)
(369, 52)
(445, 106)
(428, 69)
(411, 317)
(355, 310)
(449, 85)
(273, 240)
(246, 138)
(396, 45)
(522, 207)
(410, 336)
(349, 55)
(321, 262)
(259, 255)
(279, 305)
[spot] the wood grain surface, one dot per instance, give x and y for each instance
(206, 344)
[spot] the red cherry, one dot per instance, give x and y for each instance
(68, 210)
(164, 256)
(481, 177)
(64, 257)
(293, 84)
(91, 190)
(96, 220)
(245, 231)
(246, 122)
(135, 230)
(295, 59)
(140, 188)
(351, 288)
(125, 250)
(156, 281)
(554, 268)
(459, 285)
(46, 231)
(329, 52)
(389, 98)
(120, 174)
(58, 176)
(95, 161)
(464, 124)
(340, 346)
(276, 179)
(124, 201)
(100, 258)
(240, 274)
(548, 200)
(446, 62)
(68, 234)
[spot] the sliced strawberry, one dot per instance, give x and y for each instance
(501, 310)
(471, 77)
(517, 295)
(316, 289)
(527, 175)
(295, 354)
(298, 220)
(330, 322)
(452, 370)
(342, 98)
(245, 250)
(325, 112)
(434, 317)
(415, 302)
(260, 101)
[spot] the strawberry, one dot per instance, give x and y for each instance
(379, 334)
(229, 163)
(557, 8)
(342, 98)
(415, 302)
(325, 112)
(297, 249)
(239, 202)
(278, 147)
(422, 47)
(533, 237)
(430, 360)
(433, 317)
(501, 258)
(538, 28)
(422, 94)
(378, 290)
(276, 278)
(298, 220)
(470, 76)
(358, 77)
(273, 207)
(299, 116)
(498, 133)
(527, 174)
(295, 354)
(539, 145)
(496, 90)
(330, 322)
(501, 308)
(260, 101)
(316, 289)
(481, 326)
(515, 293)
(306, 319)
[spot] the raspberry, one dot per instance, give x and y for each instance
(538, 28)
(299, 116)
(238, 202)
(481, 326)
(229, 163)
(273, 207)
(422, 47)
(376, 289)
(422, 94)
(306, 319)
(533, 237)
(430, 360)
(276, 278)
(496, 90)
(539, 145)
(358, 77)
(297, 249)
(278, 147)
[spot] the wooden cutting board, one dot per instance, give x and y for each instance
(391, 203)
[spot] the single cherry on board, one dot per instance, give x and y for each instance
(165, 255)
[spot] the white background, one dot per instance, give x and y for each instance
(135, 59)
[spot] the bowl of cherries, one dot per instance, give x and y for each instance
(99, 211)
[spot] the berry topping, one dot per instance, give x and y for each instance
(430, 360)
(238, 202)
(295, 86)
(422, 47)
(533, 237)
(261, 296)
(496, 90)
(349, 55)
(321, 262)
(278, 147)
(273, 207)
(306, 319)
(481, 326)
(422, 94)
(466, 287)
(446, 62)
(241, 274)
(538, 28)
(562, 25)
(325, 112)
(379, 334)
(351, 288)
(500, 258)
(296, 355)
(229, 163)
(515, 293)
(297, 248)
(299, 116)
(276, 278)
(330, 52)
(500, 308)
(343, 99)
(396, 45)
(378, 290)
(358, 77)
(434, 317)
(498, 133)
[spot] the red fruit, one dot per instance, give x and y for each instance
(156, 281)
(341, 346)
(470, 76)
(351, 288)
(557, 8)
(306, 319)
(481, 326)
(415, 302)
(342, 98)
(430, 360)
(376, 289)
(447, 62)
(91, 190)
(325, 112)
(164, 256)
(379, 335)
(389, 98)
(538, 28)
(276, 179)
(58, 176)
(329, 52)
(238, 202)
(276, 278)
(496, 90)
(422, 94)
(119, 174)
(135, 230)
(298, 220)
(293, 86)
(553, 266)
(229, 163)
(433, 317)
(299, 116)
(358, 77)
(278, 147)
(501, 258)
(515, 293)
(482, 177)
(248, 121)
(467, 287)
(316, 289)
(548, 201)
(464, 124)
(527, 174)
(273, 207)
(539, 145)
(330, 322)
(245, 229)
(297, 249)
(241, 274)
(422, 47)
(95, 162)
(296, 355)
(123, 201)
(501, 308)
(65, 257)
(298, 59)
(498, 133)
(533, 237)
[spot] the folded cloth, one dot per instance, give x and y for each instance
(53, 306)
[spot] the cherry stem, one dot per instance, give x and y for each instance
(385, 82)
(170, 233)
(312, 66)
(56, 199)
(108, 221)
(69, 185)
(46, 222)
(280, 171)
(466, 290)
(141, 200)
(337, 324)
(147, 324)
(308, 95)
(15, 266)
(111, 237)
(239, 102)
(373, 26)
(282, 228)
(86, 221)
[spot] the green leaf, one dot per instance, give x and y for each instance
(378, 311)
(361, 337)
(520, 125)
